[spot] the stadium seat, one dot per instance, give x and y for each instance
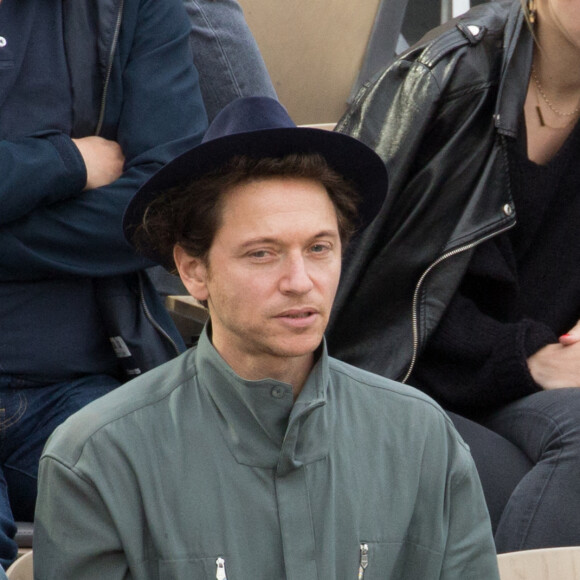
(21, 569)
(543, 564)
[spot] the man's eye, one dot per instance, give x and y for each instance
(259, 254)
(319, 248)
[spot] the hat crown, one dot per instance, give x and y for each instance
(246, 115)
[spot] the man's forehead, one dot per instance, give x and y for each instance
(266, 208)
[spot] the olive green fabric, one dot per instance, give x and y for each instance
(190, 469)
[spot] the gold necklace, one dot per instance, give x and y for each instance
(541, 93)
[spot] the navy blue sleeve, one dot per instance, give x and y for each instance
(51, 155)
(157, 115)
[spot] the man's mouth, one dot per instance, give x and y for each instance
(300, 314)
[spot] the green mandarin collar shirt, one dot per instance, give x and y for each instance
(190, 472)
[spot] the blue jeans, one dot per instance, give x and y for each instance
(28, 415)
(541, 473)
(225, 54)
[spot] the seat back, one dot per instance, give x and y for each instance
(544, 564)
(313, 50)
(22, 568)
(319, 52)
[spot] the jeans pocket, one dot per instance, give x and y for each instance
(13, 406)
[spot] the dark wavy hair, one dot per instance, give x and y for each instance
(190, 214)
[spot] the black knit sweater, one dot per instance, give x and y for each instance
(521, 291)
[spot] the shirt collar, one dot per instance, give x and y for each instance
(262, 425)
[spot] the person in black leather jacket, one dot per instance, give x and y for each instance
(466, 279)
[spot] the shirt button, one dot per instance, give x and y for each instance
(278, 392)
(2, 42)
(508, 209)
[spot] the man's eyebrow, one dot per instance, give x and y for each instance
(273, 240)
(326, 234)
(255, 241)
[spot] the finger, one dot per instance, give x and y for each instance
(569, 338)
(572, 336)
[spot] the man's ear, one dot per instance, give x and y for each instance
(193, 273)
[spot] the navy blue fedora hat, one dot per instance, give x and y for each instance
(260, 127)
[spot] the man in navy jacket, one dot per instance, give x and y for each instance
(94, 98)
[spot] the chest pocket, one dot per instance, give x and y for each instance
(189, 569)
(380, 560)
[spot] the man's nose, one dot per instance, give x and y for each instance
(296, 278)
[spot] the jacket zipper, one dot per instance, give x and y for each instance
(109, 68)
(98, 131)
(364, 560)
(152, 320)
(220, 572)
(414, 315)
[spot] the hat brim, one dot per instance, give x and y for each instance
(344, 154)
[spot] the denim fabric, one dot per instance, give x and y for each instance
(225, 54)
(528, 458)
(544, 509)
(500, 464)
(28, 415)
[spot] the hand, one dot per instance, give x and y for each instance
(103, 159)
(556, 366)
(572, 336)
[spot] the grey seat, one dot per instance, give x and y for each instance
(24, 534)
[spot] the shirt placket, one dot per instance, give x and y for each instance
(296, 526)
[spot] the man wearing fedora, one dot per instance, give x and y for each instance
(255, 455)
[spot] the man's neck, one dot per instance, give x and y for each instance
(291, 370)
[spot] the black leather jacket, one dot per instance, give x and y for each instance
(439, 117)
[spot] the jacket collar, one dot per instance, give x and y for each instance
(261, 424)
(517, 62)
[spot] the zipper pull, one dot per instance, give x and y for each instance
(220, 573)
(364, 560)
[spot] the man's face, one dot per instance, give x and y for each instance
(272, 272)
